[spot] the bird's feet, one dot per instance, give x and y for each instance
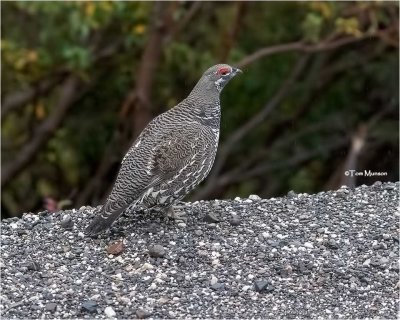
(176, 213)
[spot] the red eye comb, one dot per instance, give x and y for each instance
(224, 70)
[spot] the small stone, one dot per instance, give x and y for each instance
(375, 262)
(332, 244)
(292, 194)
(143, 314)
(254, 197)
(211, 218)
(146, 266)
(156, 251)
(309, 245)
(367, 262)
(89, 306)
(116, 248)
(213, 280)
(263, 286)
(21, 232)
(51, 306)
(33, 266)
(389, 186)
(198, 232)
(67, 222)
(235, 221)
(109, 311)
(162, 300)
(182, 225)
(286, 271)
(217, 286)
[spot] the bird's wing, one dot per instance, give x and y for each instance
(176, 151)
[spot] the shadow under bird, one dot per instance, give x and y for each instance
(171, 156)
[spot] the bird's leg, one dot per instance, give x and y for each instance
(175, 213)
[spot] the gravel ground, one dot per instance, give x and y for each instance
(330, 255)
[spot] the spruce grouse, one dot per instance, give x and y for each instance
(172, 155)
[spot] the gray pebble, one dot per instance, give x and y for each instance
(156, 251)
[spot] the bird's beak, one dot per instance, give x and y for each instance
(236, 70)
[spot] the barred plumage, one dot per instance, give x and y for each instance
(172, 155)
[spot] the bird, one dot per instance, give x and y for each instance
(171, 156)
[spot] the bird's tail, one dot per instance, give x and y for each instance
(102, 222)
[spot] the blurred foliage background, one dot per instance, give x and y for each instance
(80, 80)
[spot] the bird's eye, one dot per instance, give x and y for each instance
(223, 71)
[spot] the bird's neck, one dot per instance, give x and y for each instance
(206, 91)
(203, 105)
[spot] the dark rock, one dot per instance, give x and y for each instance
(35, 223)
(263, 286)
(43, 213)
(51, 306)
(33, 266)
(142, 314)
(211, 218)
(153, 228)
(286, 271)
(67, 222)
(89, 306)
(332, 244)
(375, 262)
(235, 221)
(156, 251)
(217, 286)
(21, 232)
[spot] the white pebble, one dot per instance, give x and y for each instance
(214, 280)
(110, 312)
(147, 266)
(309, 245)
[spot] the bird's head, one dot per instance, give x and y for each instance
(220, 75)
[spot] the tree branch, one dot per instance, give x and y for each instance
(18, 99)
(229, 36)
(307, 48)
(68, 94)
(177, 28)
(47, 84)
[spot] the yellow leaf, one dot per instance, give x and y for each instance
(20, 63)
(348, 26)
(40, 111)
(106, 6)
(89, 9)
(139, 29)
(322, 7)
(32, 56)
